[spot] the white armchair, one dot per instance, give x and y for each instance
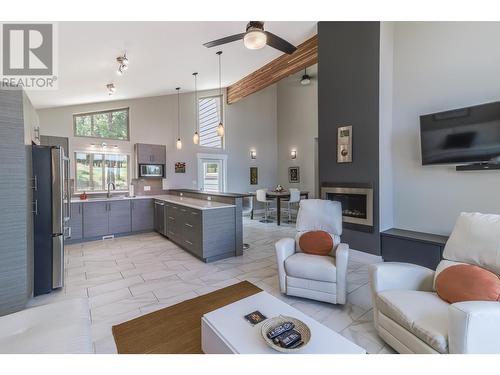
(321, 278)
(410, 316)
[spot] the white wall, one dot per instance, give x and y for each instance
(297, 129)
(250, 122)
(440, 66)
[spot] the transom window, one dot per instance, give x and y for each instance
(95, 170)
(112, 124)
(210, 115)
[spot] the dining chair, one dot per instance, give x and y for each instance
(261, 196)
(292, 202)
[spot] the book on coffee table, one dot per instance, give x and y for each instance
(255, 317)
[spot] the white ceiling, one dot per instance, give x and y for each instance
(162, 55)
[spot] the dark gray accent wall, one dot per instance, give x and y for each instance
(13, 204)
(348, 94)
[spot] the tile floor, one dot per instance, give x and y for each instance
(130, 276)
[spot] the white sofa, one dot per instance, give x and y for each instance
(410, 316)
(56, 328)
(321, 278)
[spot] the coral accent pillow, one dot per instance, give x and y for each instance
(465, 282)
(316, 242)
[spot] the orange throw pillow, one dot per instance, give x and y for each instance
(317, 242)
(465, 282)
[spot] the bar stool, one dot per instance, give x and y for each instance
(261, 196)
(294, 198)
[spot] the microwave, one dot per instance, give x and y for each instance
(151, 170)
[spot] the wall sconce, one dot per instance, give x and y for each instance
(293, 154)
(253, 154)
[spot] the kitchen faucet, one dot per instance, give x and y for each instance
(109, 191)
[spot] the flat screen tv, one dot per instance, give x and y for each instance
(466, 135)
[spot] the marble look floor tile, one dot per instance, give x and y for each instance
(122, 306)
(115, 285)
(107, 298)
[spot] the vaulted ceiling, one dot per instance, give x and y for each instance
(162, 55)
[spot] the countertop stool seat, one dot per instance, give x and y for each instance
(261, 196)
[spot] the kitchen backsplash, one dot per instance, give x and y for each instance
(154, 184)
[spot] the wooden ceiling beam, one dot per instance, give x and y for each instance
(281, 67)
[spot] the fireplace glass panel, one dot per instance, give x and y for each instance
(353, 205)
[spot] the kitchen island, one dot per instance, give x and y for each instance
(205, 228)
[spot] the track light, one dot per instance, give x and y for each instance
(122, 64)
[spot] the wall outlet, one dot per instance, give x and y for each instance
(147, 188)
(209, 198)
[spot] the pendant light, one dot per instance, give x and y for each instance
(178, 144)
(306, 79)
(220, 128)
(196, 136)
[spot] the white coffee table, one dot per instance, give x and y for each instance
(225, 330)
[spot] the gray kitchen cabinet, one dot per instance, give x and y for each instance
(150, 154)
(142, 214)
(75, 222)
(119, 217)
(95, 219)
(50, 140)
(207, 234)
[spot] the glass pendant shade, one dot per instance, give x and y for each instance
(196, 138)
(178, 144)
(220, 130)
(255, 39)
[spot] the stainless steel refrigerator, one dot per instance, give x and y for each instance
(51, 209)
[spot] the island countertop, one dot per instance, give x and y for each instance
(200, 204)
(215, 194)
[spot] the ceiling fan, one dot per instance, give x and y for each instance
(256, 38)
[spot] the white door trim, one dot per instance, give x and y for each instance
(206, 156)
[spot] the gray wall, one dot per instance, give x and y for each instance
(298, 129)
(348, 94)
(13, 204)
(249, 123)
(440, 66)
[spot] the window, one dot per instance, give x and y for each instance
(210, 115)
(95, 170)
(212, 172)
(112, 124)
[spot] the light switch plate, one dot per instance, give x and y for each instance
(147, 188)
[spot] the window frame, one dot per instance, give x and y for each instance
(129, 177)
(91, 114)
(222, 112)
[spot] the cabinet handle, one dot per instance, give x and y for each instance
(188, 242)
(188, 225)
(171, 218)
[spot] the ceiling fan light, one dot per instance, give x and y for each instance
(196, 138)
(305, 80)
(178, 144)
(220, 130)
(255, 39)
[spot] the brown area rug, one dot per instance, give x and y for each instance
(176, 329)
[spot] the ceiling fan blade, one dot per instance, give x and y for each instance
(279, 43)
(227, 39)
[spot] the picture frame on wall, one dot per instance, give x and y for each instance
(180, 167)
(254, 178)
(294, 175)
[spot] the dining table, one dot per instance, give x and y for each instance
(279, 195)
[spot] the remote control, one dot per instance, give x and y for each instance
(288, 339)
(276, 331)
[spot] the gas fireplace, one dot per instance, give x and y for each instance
(356, 201)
